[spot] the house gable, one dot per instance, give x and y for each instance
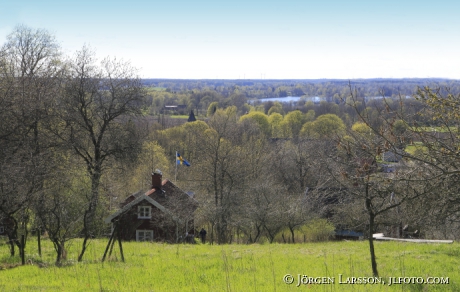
(133, 203)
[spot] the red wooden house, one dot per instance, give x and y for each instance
(163, 213)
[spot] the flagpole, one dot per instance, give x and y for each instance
(175, 173)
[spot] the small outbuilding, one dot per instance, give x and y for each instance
(390, 156)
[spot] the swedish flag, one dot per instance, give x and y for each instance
(180, 160)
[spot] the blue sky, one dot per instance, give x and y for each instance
(255, 39)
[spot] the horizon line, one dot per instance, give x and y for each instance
(268, 79)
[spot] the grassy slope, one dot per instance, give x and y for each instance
(158, 267)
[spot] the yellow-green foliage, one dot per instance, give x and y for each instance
(324, 126)
(293, 122)
(261, 119)
(400, 127)
(362, 128)
(247, 108)
(258, 108)
(310, 116)
(197, 126)
(212, 108)
(163, 267)
(277, 107)
(152, 157)
(317, 230)
(275, 120)
(230, 111)
(313, 231)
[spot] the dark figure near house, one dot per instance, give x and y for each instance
(203, 235)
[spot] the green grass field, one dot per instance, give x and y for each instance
(178, 116)
(436, 129)
(163, 267)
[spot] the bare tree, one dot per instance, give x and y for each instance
(219, 162)
(434, 131)
(261, 211)
(354, 167)
(97, 107)
(30, 75)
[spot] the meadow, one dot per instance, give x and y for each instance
(260, 267)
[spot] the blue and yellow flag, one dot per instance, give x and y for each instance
(180, 160)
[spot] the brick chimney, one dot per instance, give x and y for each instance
(156, 179)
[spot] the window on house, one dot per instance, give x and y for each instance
(144, 212)
(144, 235)
(2, 230)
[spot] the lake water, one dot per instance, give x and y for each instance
(315, 99)
(292, 99)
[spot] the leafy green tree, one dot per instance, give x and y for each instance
(248, 108)
(327, 108)
(277, 107)
(192, 139)
(258, 108)
(293, 122)
(212, 108)
(362, 128)
(275, 120)
(158, 103)
(60, 207)
(238, 100)
(310, 116)
(151, 157)
(400, 127)
(325, 126)
(261, 119)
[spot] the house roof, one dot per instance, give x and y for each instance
(168, 191)
(140, 197)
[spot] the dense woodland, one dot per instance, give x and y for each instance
(78, 135)
(328, 88)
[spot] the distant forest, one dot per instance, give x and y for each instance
(327, 88)
(204, 96)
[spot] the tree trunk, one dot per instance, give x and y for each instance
(259, 232)
(83, 249)
(39, 243)
(88, 220)
(11, 243)
(292, 234)
(22, 250)
(59, 252)
(371, 244)
(13, 237)
(222, 229)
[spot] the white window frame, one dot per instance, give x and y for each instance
(144, 212)
(144, 235)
